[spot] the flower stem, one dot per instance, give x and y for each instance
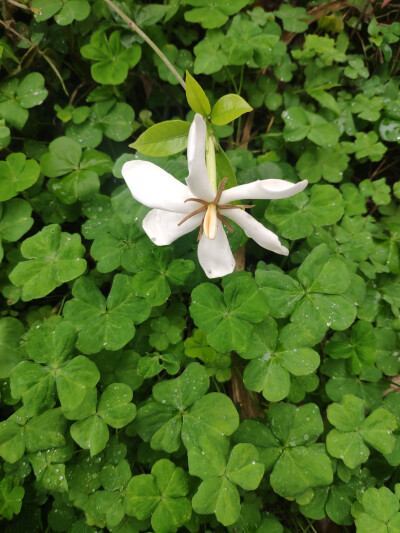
(210, 161)
(135, 27)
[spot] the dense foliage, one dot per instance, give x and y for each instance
(136, 394)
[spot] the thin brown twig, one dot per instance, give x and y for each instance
(246, 131)
(76, 92)
(34, 10)
(377, 170)
(271, 121)
(362, 14)
(362, 43)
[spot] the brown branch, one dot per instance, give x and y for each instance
(248, 404)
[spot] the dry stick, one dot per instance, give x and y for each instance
(249, 404)
(134, 27)
(23, 6)
(363, 12)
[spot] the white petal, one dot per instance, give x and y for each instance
(198, 181)
(256, 231)
(215, 256)
(263, 190)
(152, 186)
(162, 226)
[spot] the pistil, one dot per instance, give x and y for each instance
(209, 224)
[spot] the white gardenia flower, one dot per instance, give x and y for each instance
(178, 209)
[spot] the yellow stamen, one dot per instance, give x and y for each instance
(210, 223)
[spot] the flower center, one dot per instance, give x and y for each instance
(209, 224)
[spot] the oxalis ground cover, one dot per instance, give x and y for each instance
(140, 392)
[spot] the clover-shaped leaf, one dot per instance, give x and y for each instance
(356, 68)
(158, 273)
(118, 245)
(105, 323)
(355, 238)
(294, 19)
(180, 392)
(106, 507)
(182, 412)
(16, 97)
(113, 59)
(341, 382)
(122, 368)
(114, 409)
(302, 465)
(380, 512)
(53, 257)
(78, 171)
(247, 43)
(262, 438)
(291, 354)
(337, 500)
(51, 343)
(326, 163)
(353, 431)
(296, 216)
(197, 346)
(151, 365)
(39, 433)
(366, 145)
(359, 349)
(300, 124)
(287, 445)
(378, 190)
(228, 317)
(10, 498)
(367, 108)
(212, 14)
(218, 493)
(209, 56)
(182, 59)
(49, 467)
(17, 174)
(353, 200)
(111, 118)
(160, 495)
(317, 300)
(163, 334)
(65, 11)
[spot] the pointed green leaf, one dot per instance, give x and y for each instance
(196, 97)
(228, 108)
(163, 139)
